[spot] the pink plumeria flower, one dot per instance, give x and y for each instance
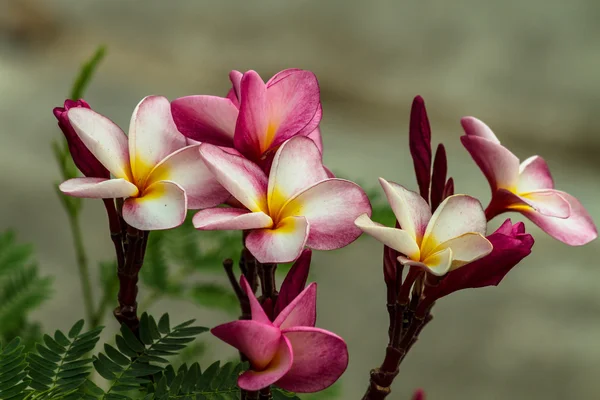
(297, 205)
(527, 188)
(158, 175)
(288, 352)
(450, 238)
(255, 118)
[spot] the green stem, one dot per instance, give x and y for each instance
(82, 265)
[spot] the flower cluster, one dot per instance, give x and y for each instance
(252, 161)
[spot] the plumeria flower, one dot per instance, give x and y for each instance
(297, 205)
(527, 188)
(84, 160)
(153, 169)
(288, 352)
(450, 238)
(255, 118)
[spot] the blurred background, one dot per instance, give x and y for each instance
(529, 68)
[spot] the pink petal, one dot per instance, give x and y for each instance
(457, 215)
(534, 174)
(315, 136)
(320, 358)
(241, 177)
(186, 167)
(280, 365)
(257, 341)
(234, 94)
(466, 248)
(152, 136)
(281, 75)
(302, 311)
(498, 164)
(207, 119)
(577, 230)
(252, 128)
(85, 161)
(294, 101)
(331, 207)
(419, 395)
(282, 244)
(475, 127)
(438, 176)
(294, 281)
(162, 205)
(258, 314)
(547, 202)
(420, 144)
(221, 218)
(104, 139)
(411, 210)
(98, 188)
(285, 181)
(397, 239)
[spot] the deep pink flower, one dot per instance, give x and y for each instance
(297, 205)
(527, 188)
(159, 177)
(511, 244)
(87, 163)
(288, 352)
(294, 282)
(255, 118)
(419, 395)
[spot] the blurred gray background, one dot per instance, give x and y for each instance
(527, 67)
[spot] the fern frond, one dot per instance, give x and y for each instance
(130, 364)
(58, 369)
(13, 373)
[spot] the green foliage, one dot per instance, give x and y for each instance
(86, 73)
(13, 374)
(177, 262)
(21, 287)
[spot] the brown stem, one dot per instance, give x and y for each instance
(126, 312)
(265, 394)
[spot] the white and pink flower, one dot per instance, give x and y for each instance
(153, 169)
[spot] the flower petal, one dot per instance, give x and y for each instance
(279, 366)
(498, 164)
(547, 202)
(281, 75)
(320, 358)
(302, 311)
(397, 239)
(466, 248)
(104, 139)
(234, 94)
(221, 218)
(285, 181)
(294, 281)
(152, 136)
(241, 177)
(331, 207)
(294, 101)
(315, 136)
(439, 263)
(534, 174)
(576, 230)
(411, 210)
(98, 188)
(258, 314)
(162, 205)
(187, 168)
(251, 129)
(476, 127)
(257, 341)
(457, 215)
(209, 119)
(280, 245)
